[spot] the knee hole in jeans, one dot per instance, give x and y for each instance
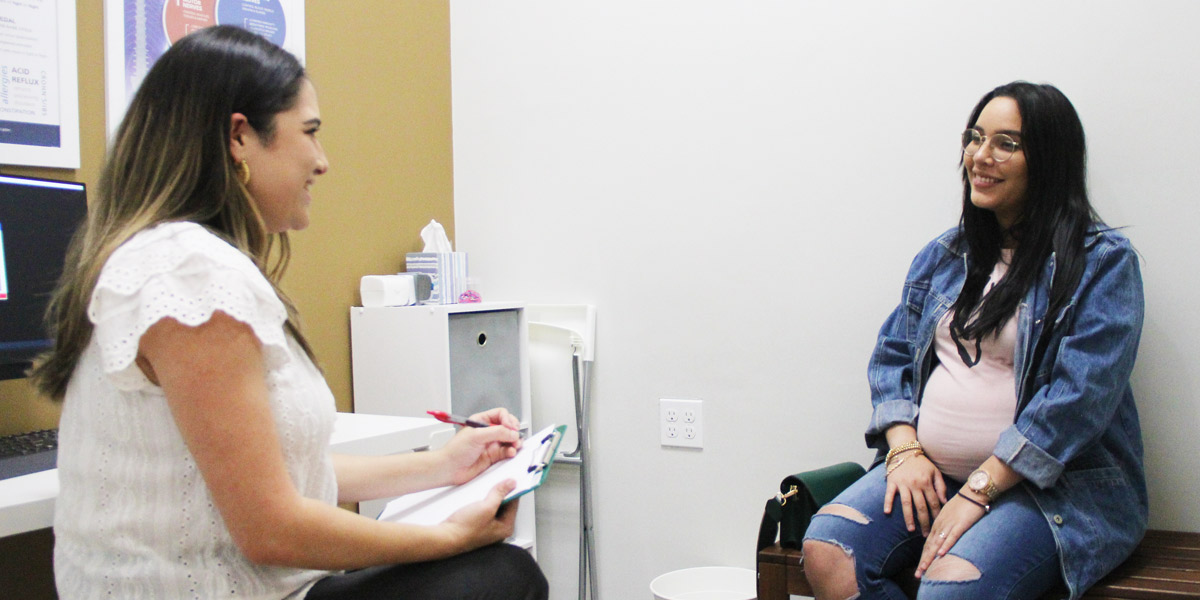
(830, 569)
(842, 510)
(952, 568)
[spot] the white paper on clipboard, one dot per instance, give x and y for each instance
(528, 468)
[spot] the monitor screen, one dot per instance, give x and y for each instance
(37, 219)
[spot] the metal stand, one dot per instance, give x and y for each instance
(577, 323)
(587, 550)
(580, 369)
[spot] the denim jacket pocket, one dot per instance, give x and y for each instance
(1059, 328)
(916, 294)
(1096, 506)
(1099, 495)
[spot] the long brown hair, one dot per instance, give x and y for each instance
(170, 162)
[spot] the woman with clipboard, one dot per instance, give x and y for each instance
(194, 439)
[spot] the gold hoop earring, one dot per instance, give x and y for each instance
(243, 172)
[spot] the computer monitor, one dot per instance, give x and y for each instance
(37, 219)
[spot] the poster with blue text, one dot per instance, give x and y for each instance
(137, 32)
(39, 84)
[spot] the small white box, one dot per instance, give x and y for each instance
(403, 289)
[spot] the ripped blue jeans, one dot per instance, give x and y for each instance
(1012, 546)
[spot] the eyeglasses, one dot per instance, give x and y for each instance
(1003, 146)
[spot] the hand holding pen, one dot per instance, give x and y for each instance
(495, 416)
(485, 438)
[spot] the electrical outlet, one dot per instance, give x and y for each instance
(681, 423)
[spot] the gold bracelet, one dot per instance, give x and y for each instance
(901, 449)
(896, 465)
(901, 453)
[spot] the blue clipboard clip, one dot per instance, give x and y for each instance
(540, 461)
(545, 454)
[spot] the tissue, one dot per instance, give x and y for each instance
(434, 236)
(447, 269)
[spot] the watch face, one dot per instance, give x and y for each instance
(977, 481)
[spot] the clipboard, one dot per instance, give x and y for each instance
(529, 468)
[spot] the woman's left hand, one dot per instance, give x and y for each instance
(957, 516)
(474, 449)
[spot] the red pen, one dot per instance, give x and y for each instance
(455, 419)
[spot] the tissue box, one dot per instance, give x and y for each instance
(447, 272)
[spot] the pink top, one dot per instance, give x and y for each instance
(964, 408)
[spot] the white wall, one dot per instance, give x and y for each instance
(739, 187)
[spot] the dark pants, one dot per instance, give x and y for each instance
(496, 572)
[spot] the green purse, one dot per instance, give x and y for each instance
(800, 496)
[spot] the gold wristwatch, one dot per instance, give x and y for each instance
(980, 482)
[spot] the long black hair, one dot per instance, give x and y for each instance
(170, 161)
(1055, 216)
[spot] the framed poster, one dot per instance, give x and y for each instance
(39, 84)
(137, 32)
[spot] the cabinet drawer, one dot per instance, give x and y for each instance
(485, 361)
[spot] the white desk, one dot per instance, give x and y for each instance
(27, 502)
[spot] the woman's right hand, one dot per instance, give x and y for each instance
(921, 489)
(485, 522)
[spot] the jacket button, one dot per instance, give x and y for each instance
(1058, 520)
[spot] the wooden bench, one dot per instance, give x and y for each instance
(1165, 565)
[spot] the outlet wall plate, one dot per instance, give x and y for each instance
(681, 423)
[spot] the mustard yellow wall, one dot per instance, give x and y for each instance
(382, 71)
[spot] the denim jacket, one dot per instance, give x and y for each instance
(1075, 436)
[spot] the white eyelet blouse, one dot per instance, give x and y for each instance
(134, 518)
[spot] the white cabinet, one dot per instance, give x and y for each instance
(459, 358)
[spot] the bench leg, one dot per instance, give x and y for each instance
(772, 581)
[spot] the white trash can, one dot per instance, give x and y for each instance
(706, 583)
